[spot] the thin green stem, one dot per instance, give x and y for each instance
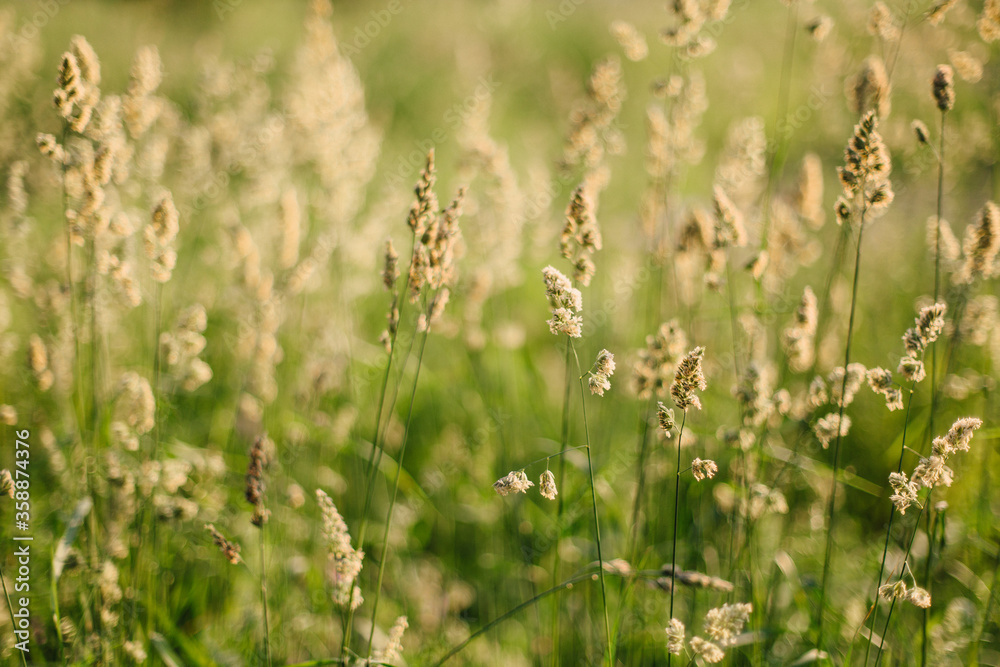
(640, 474)
(395, 488)
(10, 608)
(563, 442)
(503, 617)
(892, 514)
(677, 502)
(930, 422)
(263, 598)
(840, 420)
(597, 524)
(374, 459)
(552, 456)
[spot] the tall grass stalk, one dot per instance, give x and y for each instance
(888, 528)
(375, 458)
(934, 394)
(395, 485)
(677, 502)
(263, 598)
(831, 515)
(597, 523)
(583, 576)
(563, 444)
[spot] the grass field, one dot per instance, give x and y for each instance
(499, 332)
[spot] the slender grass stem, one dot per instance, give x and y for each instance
(263, 598)
(640, 475)
(374, 458)
(597, 523)
(892, 514)
(10, 608)
(563, 443)
(677, 502)
(906, 558)
(840, 420)
(503, 617)
(934, 395)
(395, 486)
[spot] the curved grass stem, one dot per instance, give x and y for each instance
(677, 499)
(597, 523)
(840, 420)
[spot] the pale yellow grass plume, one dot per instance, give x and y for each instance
(140, 105)
(900, 591)
(435, 234)
(630, 39)
(328, 121)
(580, 237)
(703, 469)
(111, 594)
(950, 248)
(547, 485)
(980, 320)
(159, 237)
(437, 250)
(933, 470)
(675, 637)
(753, 393)
(881, 23)
(665, 417)
(513, 482)
(927, 326)
(592, 133)
(502, 208)
(944, 87)
(394, 646)
(744, 161)
(880, 381)
(6, 483)
(869, 89)
(798, 339)
(980, 246)
(229, 549)
(690, 17)
(904, 492)
(136, 406)
(345, 561)
(938, 11)
(809, 194)
(8, 414)
(38, 361)
(599, 379)
(77, 91)
(826, 428)
(722, 625)
(967, 66)
(730, 230)
(688, 379)
(989, 22)
(658, 360)
(565, 301)
(843, 390)
(865, 174)
(181, 347)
